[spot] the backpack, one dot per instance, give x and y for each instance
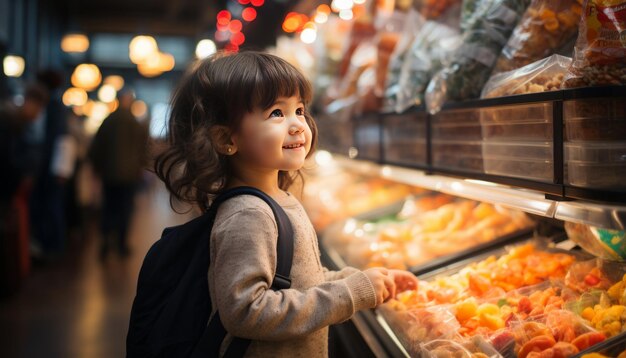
(170, 313)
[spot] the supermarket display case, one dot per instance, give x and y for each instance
(568, 144)
(557, 156)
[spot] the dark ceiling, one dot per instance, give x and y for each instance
(190, 18)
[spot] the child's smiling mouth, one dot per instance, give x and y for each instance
(294, 146)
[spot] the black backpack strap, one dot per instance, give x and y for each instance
(214, 333)
(284, 245)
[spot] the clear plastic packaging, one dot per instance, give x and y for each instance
(545, 27)
(530, 160)
(472, 62)
(605, 243)
(596, 164)
(595, 119)
(414, 327)
(558, 333)
(404, 138)
(471, 348)
(431, 47)
(600, 51)
(372, 84)
(412, 27)
(521, 122)
(540, 76)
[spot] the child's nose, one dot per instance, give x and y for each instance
(296, 126)
(296, 130)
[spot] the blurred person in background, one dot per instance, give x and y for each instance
(118, 155)
(76, 206)
(57, 166)
(19, 161)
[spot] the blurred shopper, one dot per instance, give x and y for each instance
(18, 158)
(118, 154)
(76, 208)
(57, 165)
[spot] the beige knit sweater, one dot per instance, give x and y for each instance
(285, 323)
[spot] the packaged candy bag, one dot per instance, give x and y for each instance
(432, 46)
(412, 28)
(540, 76)
(545, 27)
(488, 32)
(604, 243)
(600, 52)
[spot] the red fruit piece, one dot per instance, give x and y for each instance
(501, 340)
(592, 280)
(564, 350)
(587, 340)
(524, 305)
(537, 344)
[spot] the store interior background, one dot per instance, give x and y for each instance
(430, 159)
(71, 302)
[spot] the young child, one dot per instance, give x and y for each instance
(242, 120)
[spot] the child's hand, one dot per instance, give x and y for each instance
(404, 280)
(383, 282)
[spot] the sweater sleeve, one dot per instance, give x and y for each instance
(341, 274)
(243, 266)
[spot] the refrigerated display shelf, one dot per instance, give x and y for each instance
(605, 215)
(566, 106)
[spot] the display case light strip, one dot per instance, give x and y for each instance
(526, 200)
(601, 215)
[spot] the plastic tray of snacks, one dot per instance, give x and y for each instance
(404, 138)
(595, 119)
(457, 124)
(529, 160)
(422, 232)
(465, 155)
(334, 133)
(367, 137)
(415, 325)
(596, 164)
(523, 122)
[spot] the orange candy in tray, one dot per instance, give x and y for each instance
(526, 303)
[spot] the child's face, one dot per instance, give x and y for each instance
(278, 138)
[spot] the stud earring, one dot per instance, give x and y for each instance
(229, 149)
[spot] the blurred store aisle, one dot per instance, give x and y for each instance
(80, 307)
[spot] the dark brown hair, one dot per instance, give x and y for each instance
(220, 90)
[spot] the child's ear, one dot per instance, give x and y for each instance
(221, 136)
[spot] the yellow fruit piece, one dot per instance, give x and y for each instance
(490, 321)
(616, 291)
(616, 311)
(466, 309)
(588, 313)
(594, 355)
(488, 308)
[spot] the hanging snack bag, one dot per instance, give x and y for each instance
(540, 76)
(412, 28)
(389, 27)
(471, 65)
(600, 52)
(547, 26)
(434, 44)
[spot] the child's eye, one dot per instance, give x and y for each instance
(276, 113)
(300, 112)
